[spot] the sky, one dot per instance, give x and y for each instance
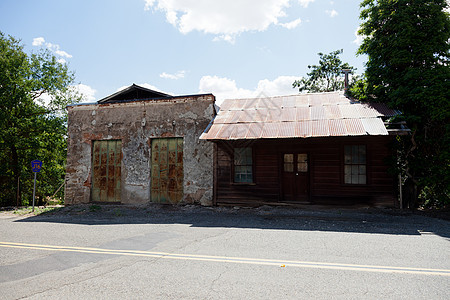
(231, 48)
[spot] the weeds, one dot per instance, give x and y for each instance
(37, 210)
(94, 208)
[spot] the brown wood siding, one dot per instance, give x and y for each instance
(326, 172)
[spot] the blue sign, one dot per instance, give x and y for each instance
(36, 165)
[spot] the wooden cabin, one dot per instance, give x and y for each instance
(306, 148)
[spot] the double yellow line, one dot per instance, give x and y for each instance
(239, 260)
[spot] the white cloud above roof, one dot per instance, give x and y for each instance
(225, 88)
(332, 13)
(39, 41)
(55, 48)
(291, 25)
(225, 19)
(87, 92)
(358, 38)
(175, 76)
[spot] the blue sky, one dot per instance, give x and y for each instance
(230, 48)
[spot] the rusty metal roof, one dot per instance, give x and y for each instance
(297, 116)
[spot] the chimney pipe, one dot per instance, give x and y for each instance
(346, 72)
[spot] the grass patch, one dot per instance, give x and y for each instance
(37, 210)
(94, 208)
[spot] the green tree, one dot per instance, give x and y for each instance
(326, 76)
(31, 128)
(408, 54)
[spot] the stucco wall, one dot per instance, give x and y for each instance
(135, 124)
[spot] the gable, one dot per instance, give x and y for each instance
(131, 93)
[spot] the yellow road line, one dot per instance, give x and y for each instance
(240, 260)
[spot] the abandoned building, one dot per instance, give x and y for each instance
(307, 148)
(139, 145)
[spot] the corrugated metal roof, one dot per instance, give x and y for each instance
(297, 116)
(286, 130)
(255, 131)
(374, 126)
(303, 129)
(354, 127)
(337, 127)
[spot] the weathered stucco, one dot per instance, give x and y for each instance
(135, 124)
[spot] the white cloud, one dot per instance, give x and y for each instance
(358, 38)
(224, 19)
(177, 75)
(225, 88)
(87, 92)
(39, 41)
(225, 37)
(305, 3)
(332, 13)
(55, 48)
(291, 25)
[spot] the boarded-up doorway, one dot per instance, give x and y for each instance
(106, 171)
(167, 170)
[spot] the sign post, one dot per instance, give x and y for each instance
(36, 166)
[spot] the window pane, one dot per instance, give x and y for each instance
(302, 157)
(362, 170)
(362, 154)
(289, 158)
(355, 154)
(347, 159)
(347, 170)
(289, 167)
(348, 179)
(348, 150)
(362, 179)
(355, 169)
(302, 167)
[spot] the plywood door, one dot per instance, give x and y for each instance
(167, 170)
(106, 171)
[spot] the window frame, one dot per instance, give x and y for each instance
(251, 165)
(358, 163)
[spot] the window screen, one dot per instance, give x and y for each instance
(243, 165)
(355, 164)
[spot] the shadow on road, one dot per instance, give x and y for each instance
(368, 220)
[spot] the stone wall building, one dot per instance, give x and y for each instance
(138, 146)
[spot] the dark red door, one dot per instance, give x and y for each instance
(295, 177)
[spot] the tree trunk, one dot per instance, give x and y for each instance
(16, 173)
(410, 194)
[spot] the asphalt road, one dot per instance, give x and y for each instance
(165, 252)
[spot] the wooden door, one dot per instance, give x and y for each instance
(167, 170)
(295, 180)
(106, 171)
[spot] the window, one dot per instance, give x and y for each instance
(355, 164)
(302, 162)
(289, 163)
(243, 165)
